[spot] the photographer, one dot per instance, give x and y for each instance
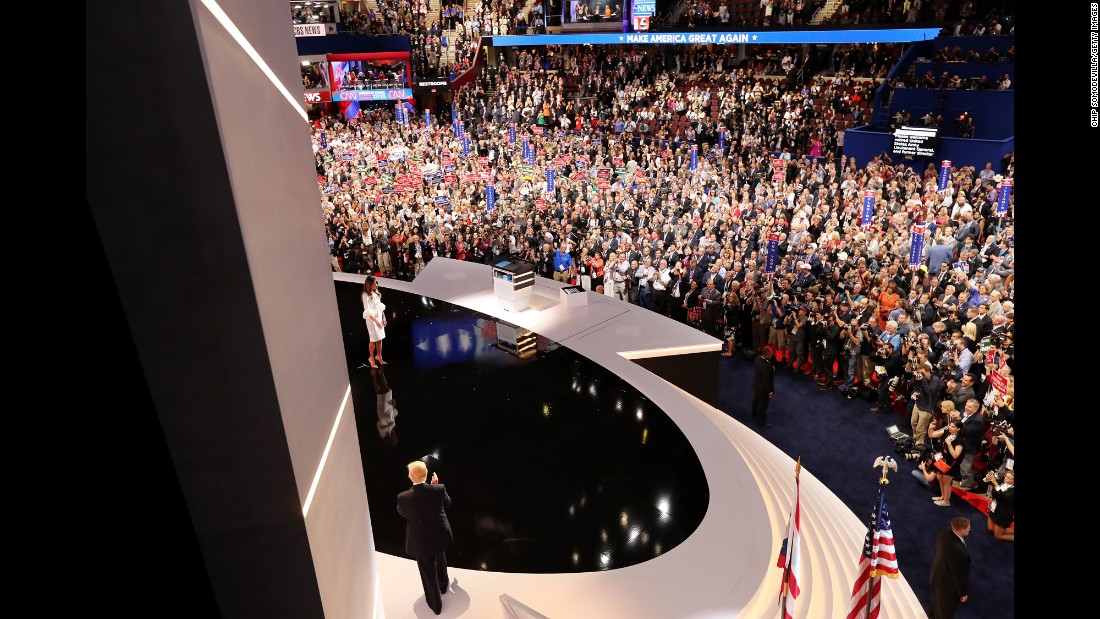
(815, 335)
(927, 388)
(851, 341)
(890, 366)
(831, 337)
(796, 337)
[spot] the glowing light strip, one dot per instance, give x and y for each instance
(231, 28)
(324, 455)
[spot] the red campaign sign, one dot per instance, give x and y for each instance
(540, 204)
(603, 173)
(538, 130)
(603, 184)
(665, 154)
(583, 158)
(618, 161)
(379, 156)
(321, 179)
(638, 173)
(578, 176)
(447, 160)
(416, 180)
(567, 157)
(483, 162)
(998, 382)
(450, 178)
(778, 164)
(370, 180)
(780, 175)
(473, 177)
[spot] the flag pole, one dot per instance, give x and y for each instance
(787, 567)
(885, 463)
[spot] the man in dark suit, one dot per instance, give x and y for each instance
(763, 388)
(427, 531)
(950, 576)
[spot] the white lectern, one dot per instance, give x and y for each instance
(513, 283)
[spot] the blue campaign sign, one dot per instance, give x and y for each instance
(434, 177)
(868, 208)
(449, 169)
(442, 200)
(916, 248)
(383, 163)
(773, 253)
(346, 156)
(387, 189)
(1002, 198)
(324, 140)
(759, 37)
(490, 198)
(945, 174)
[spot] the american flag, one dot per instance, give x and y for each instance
(876, 560)
(790, 554)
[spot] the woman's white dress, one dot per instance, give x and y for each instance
(373, 306)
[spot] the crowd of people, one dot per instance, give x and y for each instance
(678, 221)
(405, 17)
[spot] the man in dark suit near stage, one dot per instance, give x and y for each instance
(427, 531)
(763, 388)
(950, 576)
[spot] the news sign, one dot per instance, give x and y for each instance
(915, 141)
(312, 30)
(317, 96)
(372, 95)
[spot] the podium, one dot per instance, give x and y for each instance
(513, 283)
(573, 296)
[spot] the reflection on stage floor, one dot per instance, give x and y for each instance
(553, 463)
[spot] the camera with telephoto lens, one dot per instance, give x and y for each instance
(1001, 427)
(923, 456)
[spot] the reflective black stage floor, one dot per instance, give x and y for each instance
(553, 463)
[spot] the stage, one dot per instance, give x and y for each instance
(583, 484)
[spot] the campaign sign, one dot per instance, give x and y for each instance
(388, 189)
(442, 200)
(694, 163)
(618, 161)
(582, 163)
(945, 174)
(638, 173)
(603, 184)
(539, 130)
(449, 169)
(465, 146)
(531, 157)
(550, 174)
(427, 117)
(779, 164)
(450, 177)
(370, 180)
(540, 204)
(998, 382)
(324, 140)
(577, 176)
(512, 133)
(434, 177)
(384, 163)
(483, 162)
(868, 208)
(1002, 198)
(461, 128)
(490, 198)
(525, 146)
(779, 175)
(773, 253)
(347, 156)
(472, 177)
(722, 139)
(603, 173)
(916, 247)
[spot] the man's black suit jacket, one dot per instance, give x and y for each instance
(427, 529)
(763, 379)
(950, 575)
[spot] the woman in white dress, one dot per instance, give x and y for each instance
(375, 317)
